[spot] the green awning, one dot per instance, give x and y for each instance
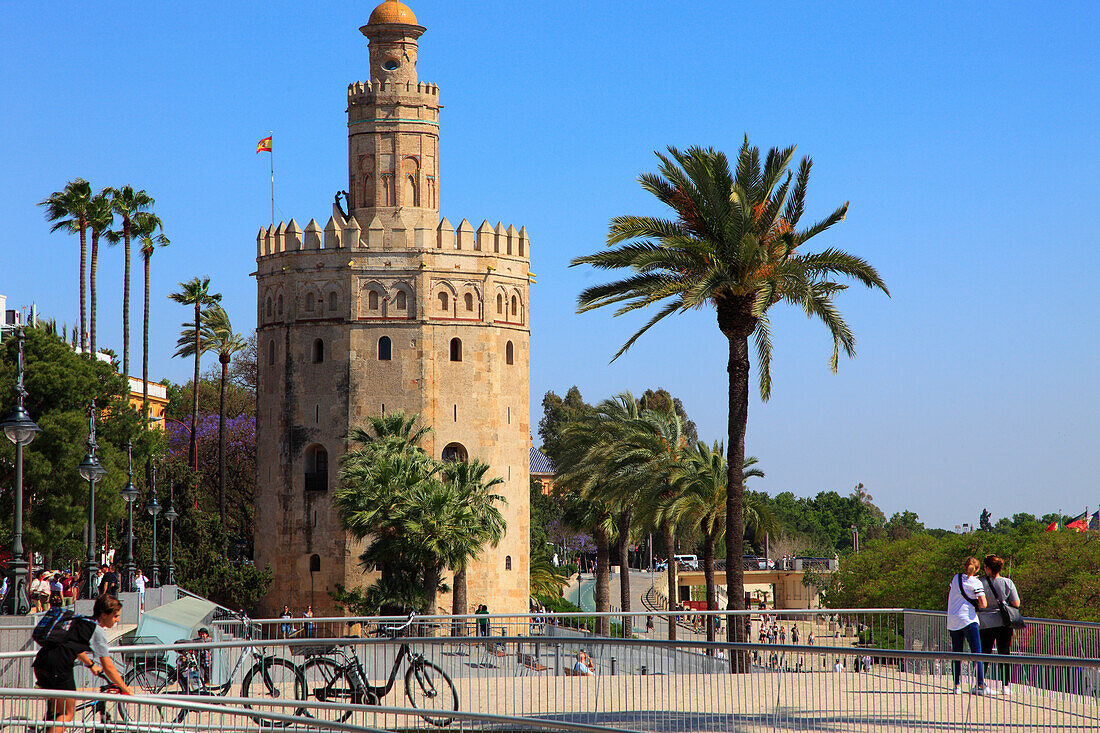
(174, 621)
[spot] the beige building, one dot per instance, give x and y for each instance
(388, 308)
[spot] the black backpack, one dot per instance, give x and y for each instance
(58, 626)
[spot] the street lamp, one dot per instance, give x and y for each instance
(91, 471)
(20, 430)
(130, 494)
(171, 515)
(154, 509)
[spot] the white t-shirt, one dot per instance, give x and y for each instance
(98, 642)
(139, 582)
(961, 612)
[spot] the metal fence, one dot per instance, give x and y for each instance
(861, 672)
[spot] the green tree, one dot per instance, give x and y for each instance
(144, 228)
(485, 523)
(662, 400)
(734, 246)
(557, 413)
(127, 204)
(68, 210)
(100, 218)
(195, 292)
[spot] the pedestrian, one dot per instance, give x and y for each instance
(482, 623)
(40, 590)
(205, 656)
(286, 614)
(992, 628)
(794, 633)
(810, 638)
(782, 634)
(582, 666)
(139, 584)
(53, 665)
(309, 624)
(109, 584)
(965, 598)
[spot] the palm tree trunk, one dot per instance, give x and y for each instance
(624, 570)
(93, 266)
(673, 586)
(145, 349)
(737, 326)
(126, 301)
(458, 600)
(192, 449)
(83, 288)
(221, 445)
(708, 573)
(603, 576)
(431, 591)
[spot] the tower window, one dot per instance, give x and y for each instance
(316, 473)
(391, 64)
(310, 302)
(515, 309)
(500, 304)
(469, 301)
(384, 348)
(456, 349)
(400, 300)
(509, 353)
(372, 300)
(443, 301)
(318, 351)
(269, 307)
(332, 300)
(279, 308)
(455, 453)
(507, 562)
(271, 353)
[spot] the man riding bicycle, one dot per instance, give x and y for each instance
(53, 665)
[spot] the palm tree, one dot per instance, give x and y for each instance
(487, 524)
(68, 210)
(393, 432)
(196, 292)
(100, 219)
(144, 229)
(733, 246)
(700, 501)
(598, 519)
(216, 335)
(127, 203)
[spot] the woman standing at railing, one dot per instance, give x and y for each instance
(990, 621)
(965, 598)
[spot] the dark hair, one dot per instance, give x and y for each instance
(106, 605)
(204, 630)
(994, 564)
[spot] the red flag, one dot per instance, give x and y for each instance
(1053, 526)
(264, 146)
(1080, 522)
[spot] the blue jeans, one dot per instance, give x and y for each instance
(970, 633)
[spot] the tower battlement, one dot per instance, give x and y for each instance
(346, 234)
(362, 92)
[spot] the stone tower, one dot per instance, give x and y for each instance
(387, 309)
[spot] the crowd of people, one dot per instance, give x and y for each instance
(62, 587)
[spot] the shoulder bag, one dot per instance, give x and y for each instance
(1010, 615)
(971, 601)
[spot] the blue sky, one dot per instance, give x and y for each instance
(963, 138)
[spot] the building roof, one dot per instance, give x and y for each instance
(540, 462)
(392, 11)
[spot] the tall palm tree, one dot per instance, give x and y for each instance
(195, 292)
(487, 524)
(68, 210)
(144, 229)
(100, 219)
(126, 202)
(597, 518)
(734, 246)
(216, 335)
(393, 432)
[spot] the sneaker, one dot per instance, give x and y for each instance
(987, 690)
(978, 690)
(957, 690)
(1007, 690)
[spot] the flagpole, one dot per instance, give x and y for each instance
(272, 154)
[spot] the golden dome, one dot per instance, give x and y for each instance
(392, 11)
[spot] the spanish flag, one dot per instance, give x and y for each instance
(264, 146)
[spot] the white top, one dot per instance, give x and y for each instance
(961, 612)
(98, 643)
(139, 582)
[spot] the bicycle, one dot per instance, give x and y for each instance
(269, 677)
(343, 679)
(86, 712)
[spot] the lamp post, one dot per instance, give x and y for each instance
(154, 509)
(20, 430)
(130, 494)
(92, 472)
(171, 515)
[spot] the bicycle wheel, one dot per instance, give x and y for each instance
(326, 681)
(430, 689)
(275, 679)
(153, 679)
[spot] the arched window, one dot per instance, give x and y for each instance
(469, 298)
(456, 349)
(509, 353)
(372, 300)
(515, 309)
(279, 308)
(500, 304)
(310, 302)
(401, 300)
(507, 562)
(314, 563)
(318, 351)
(384, 348)
(332, 300)
(455, 453)
(271, 353)
(443, 301)
(269, 306)
(316, 468)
